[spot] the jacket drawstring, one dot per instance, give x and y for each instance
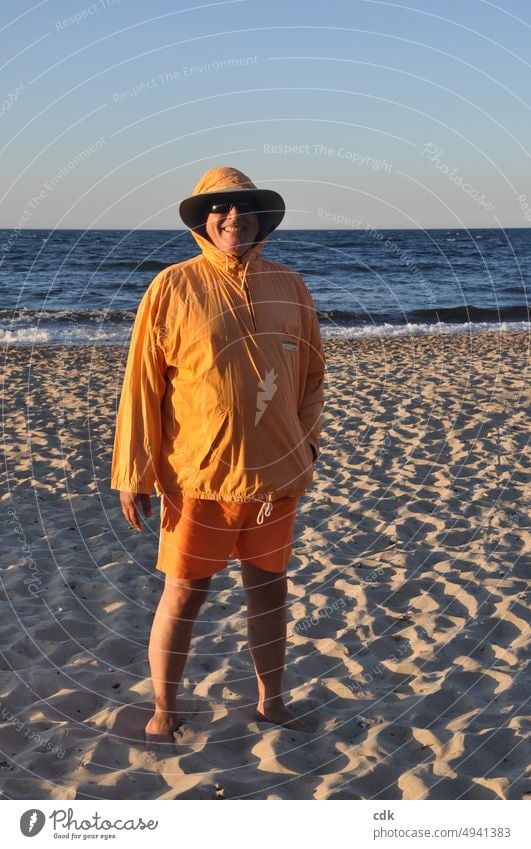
(265, 510)
(244, 275)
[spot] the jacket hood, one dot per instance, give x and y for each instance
(224, 182)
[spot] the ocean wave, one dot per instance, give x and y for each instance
(471, 313)
(51, 334)
(425, 329)
(461, 314)
(119, 334)
(23, 315)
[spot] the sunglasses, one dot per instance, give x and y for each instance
(225, 206)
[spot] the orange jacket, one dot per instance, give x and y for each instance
(223, 388)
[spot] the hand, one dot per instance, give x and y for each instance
(130, 502)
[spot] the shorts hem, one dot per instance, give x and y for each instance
(188, 574)
(191, 574)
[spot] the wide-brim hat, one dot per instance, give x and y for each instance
(223, 183)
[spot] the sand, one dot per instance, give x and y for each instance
(408, 621)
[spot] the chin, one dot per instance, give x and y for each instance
(236, 246)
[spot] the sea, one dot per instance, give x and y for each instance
(82, 287)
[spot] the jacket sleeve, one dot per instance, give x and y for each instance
(138, 434)
(311, 407)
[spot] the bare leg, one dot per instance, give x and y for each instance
(266, 630)
(169, 644)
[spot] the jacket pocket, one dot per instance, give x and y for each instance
(313, 451)
(302, 450)
(212, 437)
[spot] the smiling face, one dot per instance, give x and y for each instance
(232, 231)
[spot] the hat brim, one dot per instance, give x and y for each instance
(270, 207)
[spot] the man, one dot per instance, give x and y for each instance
(221, 412)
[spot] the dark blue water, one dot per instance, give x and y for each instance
(83, 287)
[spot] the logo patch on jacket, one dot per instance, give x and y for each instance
(289, 345)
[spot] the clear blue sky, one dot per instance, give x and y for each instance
(387, 114)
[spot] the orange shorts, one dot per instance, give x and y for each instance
(197, 535)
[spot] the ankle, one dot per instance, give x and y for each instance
(165, 712)
(163, 721)
(270, 702)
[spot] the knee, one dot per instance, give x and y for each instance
(184, 602)
(269, 596)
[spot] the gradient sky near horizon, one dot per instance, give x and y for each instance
(362, 114)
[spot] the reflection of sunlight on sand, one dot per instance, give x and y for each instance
(416, 521)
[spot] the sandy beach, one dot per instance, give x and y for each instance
(408, 622)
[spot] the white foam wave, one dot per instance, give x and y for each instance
(119, 334)
(424, 329)
(58, 334)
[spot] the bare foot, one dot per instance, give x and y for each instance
(280, 715)
(161, 727)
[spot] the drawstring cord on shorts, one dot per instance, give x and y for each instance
(265, 510)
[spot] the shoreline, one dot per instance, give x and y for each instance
(511, 340)
(17, 338)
